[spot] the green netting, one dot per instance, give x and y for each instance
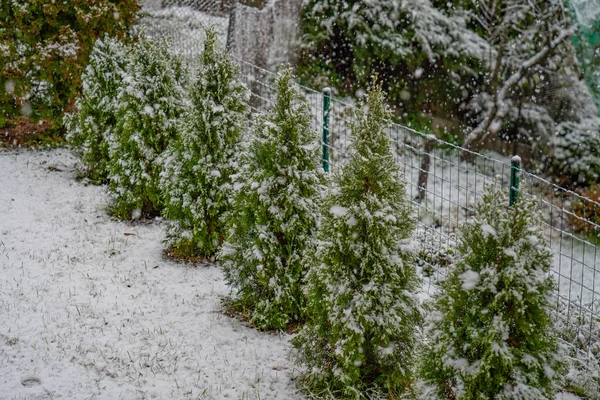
(586, 15)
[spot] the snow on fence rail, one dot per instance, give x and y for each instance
(444, 181)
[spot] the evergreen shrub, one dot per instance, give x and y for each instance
(92, 123)
(576, 153)
(196, 181)
(148, 110)
(362, 313)
(275, 208)
(44, 48)
(491, 334)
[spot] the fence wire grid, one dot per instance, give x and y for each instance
(444, 187)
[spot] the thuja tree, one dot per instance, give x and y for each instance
(275, 210)
(491, 334)
(44, 47)
(95, 116)
(148, 109)
(360, 335)
(197, 179)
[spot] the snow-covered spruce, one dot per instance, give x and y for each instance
(362, 314)
(95, 117)
(275, 209)
(196, 182)
(491, 334)
(148, 110)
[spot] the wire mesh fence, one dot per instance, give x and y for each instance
(216, 7)
(444, 182)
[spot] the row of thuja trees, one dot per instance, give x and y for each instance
(331, 253)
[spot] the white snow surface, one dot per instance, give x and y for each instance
(470, 279)
(91, 309)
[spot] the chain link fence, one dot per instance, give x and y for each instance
(216, 7)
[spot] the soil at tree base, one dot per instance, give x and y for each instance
(24, 132)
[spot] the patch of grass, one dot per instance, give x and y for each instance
(186, 254)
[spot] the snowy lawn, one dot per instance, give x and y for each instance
(91, 309)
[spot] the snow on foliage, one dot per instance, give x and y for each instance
(394, 27)
(399, 40)
(491, 334)
(528, 58)
(196, 181)
(89, 128)
(149, 105)
(484, 71)
(276, 193)
(576, 151)
(362, 313)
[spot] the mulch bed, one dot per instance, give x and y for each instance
(26, 133)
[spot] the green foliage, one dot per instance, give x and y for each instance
(89, 128)
(587, 46)
(425, 58)
(44, 47)
(198, 166)
(362, 314)
(451, 60)
(491, 334)
(274, 212)
(148, 109)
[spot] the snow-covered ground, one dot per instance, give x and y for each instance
(91, 309)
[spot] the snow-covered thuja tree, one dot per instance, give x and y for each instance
(491, 334)
(362, 315)
(196, 181)
(148, 111)
(95, 117)
(274, 212)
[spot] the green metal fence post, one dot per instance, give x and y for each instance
(326, 106)
(515, 171)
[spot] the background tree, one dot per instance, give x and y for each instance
(477, 73)
(424, 57)
(528, 43)
(360, 335)
(491, 334)
(196, 181)
(274, 213)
